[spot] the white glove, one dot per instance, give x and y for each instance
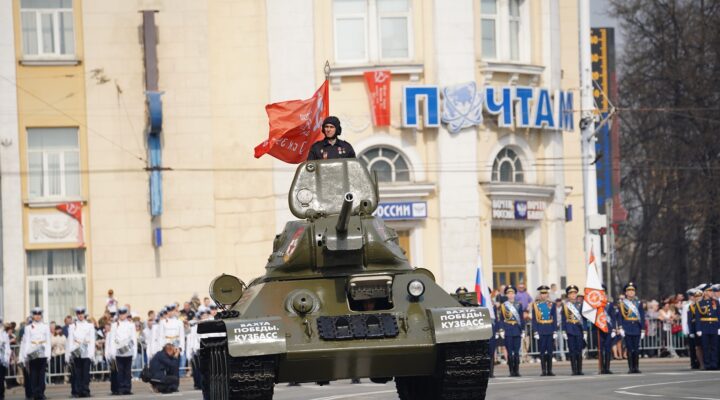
(536, 336)
(564, 335)
(522, 335)
(642, 335)
(612, 335)
(497, 335)
(502, 334)
(692, 335)
(585, 336)
(622, 332)
(554, 335)
(699, 334)
(718, 331)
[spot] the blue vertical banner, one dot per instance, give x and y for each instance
(155, 151)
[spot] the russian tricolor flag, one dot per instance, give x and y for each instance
(481, 290)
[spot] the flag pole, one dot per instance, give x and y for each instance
(599, 351)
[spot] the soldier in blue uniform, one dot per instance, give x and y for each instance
(544, 327)
(716, 294)
(493, 340)
(706, 327)
(689, 324)
(606, 339)
(573, 328)
(512, 328)
(632, 326)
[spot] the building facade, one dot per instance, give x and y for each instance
(482, 169)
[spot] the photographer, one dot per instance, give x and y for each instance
(165, 370)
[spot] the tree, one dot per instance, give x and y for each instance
(670, 118)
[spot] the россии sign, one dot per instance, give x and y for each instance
(402, 210)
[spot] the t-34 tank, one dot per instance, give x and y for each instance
(339, 300)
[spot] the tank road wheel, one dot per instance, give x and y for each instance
(463, 374)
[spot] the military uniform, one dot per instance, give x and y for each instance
(688, 325)
(35, 352)
(544, 326)
(573, 327)
(632, 327)
(707, 326)
(512, 330)
(324, 150)
(79, 352)
(123, 349)
(4, 358)
(171, 330)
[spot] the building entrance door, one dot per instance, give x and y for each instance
(508, 247)
(404, 241)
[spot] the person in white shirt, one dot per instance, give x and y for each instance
(193, 346)
(157, 344)
(172, 330)
(79, 353)
(35, 352)
(4, 357)
(123, 349)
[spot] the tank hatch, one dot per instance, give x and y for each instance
(320, 187)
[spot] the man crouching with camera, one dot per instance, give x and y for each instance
(164, 373)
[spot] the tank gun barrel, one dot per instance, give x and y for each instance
(344, 217)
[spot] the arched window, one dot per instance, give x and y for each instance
(507, 167)
(390, 165)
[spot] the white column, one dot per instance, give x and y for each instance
(13, 259)
(457, 153)
(553, 144)
(292, 76)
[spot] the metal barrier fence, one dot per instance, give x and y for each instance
(659, 341)
(58, 371)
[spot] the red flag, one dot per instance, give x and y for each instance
(378, 83)
(74, 210)
(294, 126)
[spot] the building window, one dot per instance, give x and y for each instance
(47, 28)
(53, 163)
(504, 30)
(370, 31)
(389, 164)
(507, 167)
(56, 281)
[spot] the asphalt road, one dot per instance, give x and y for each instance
(661, 379)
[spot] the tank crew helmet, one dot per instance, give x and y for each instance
(461, 290)
(629, 286)
(122, 310)
(334, 121)
(510, 288)
(543, 289)
(37, 311)
(571, 288)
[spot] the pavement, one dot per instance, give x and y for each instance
(661, 379)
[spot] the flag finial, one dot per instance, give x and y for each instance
(327, 69)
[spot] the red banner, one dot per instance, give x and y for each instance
(294, 126)
(378, 83)
(74, 210)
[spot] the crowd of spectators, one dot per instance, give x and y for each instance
(143, 326)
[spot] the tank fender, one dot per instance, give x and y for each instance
(460, 324)
(255, 337)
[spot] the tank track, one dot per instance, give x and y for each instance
(463, 374)
(231, 378)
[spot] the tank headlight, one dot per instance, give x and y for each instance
(416, 288)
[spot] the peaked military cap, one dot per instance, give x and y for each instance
(571, 288)
(629, 286)
(543, 289)
(122, 310)
(37, 311)
(510, 288)
(461, 289)
(79, 310)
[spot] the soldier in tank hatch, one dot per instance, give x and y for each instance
(331, 147)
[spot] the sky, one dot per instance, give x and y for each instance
(600, 19)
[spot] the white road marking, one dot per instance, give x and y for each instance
(639, 394)
(663, 383)
(349, 396)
